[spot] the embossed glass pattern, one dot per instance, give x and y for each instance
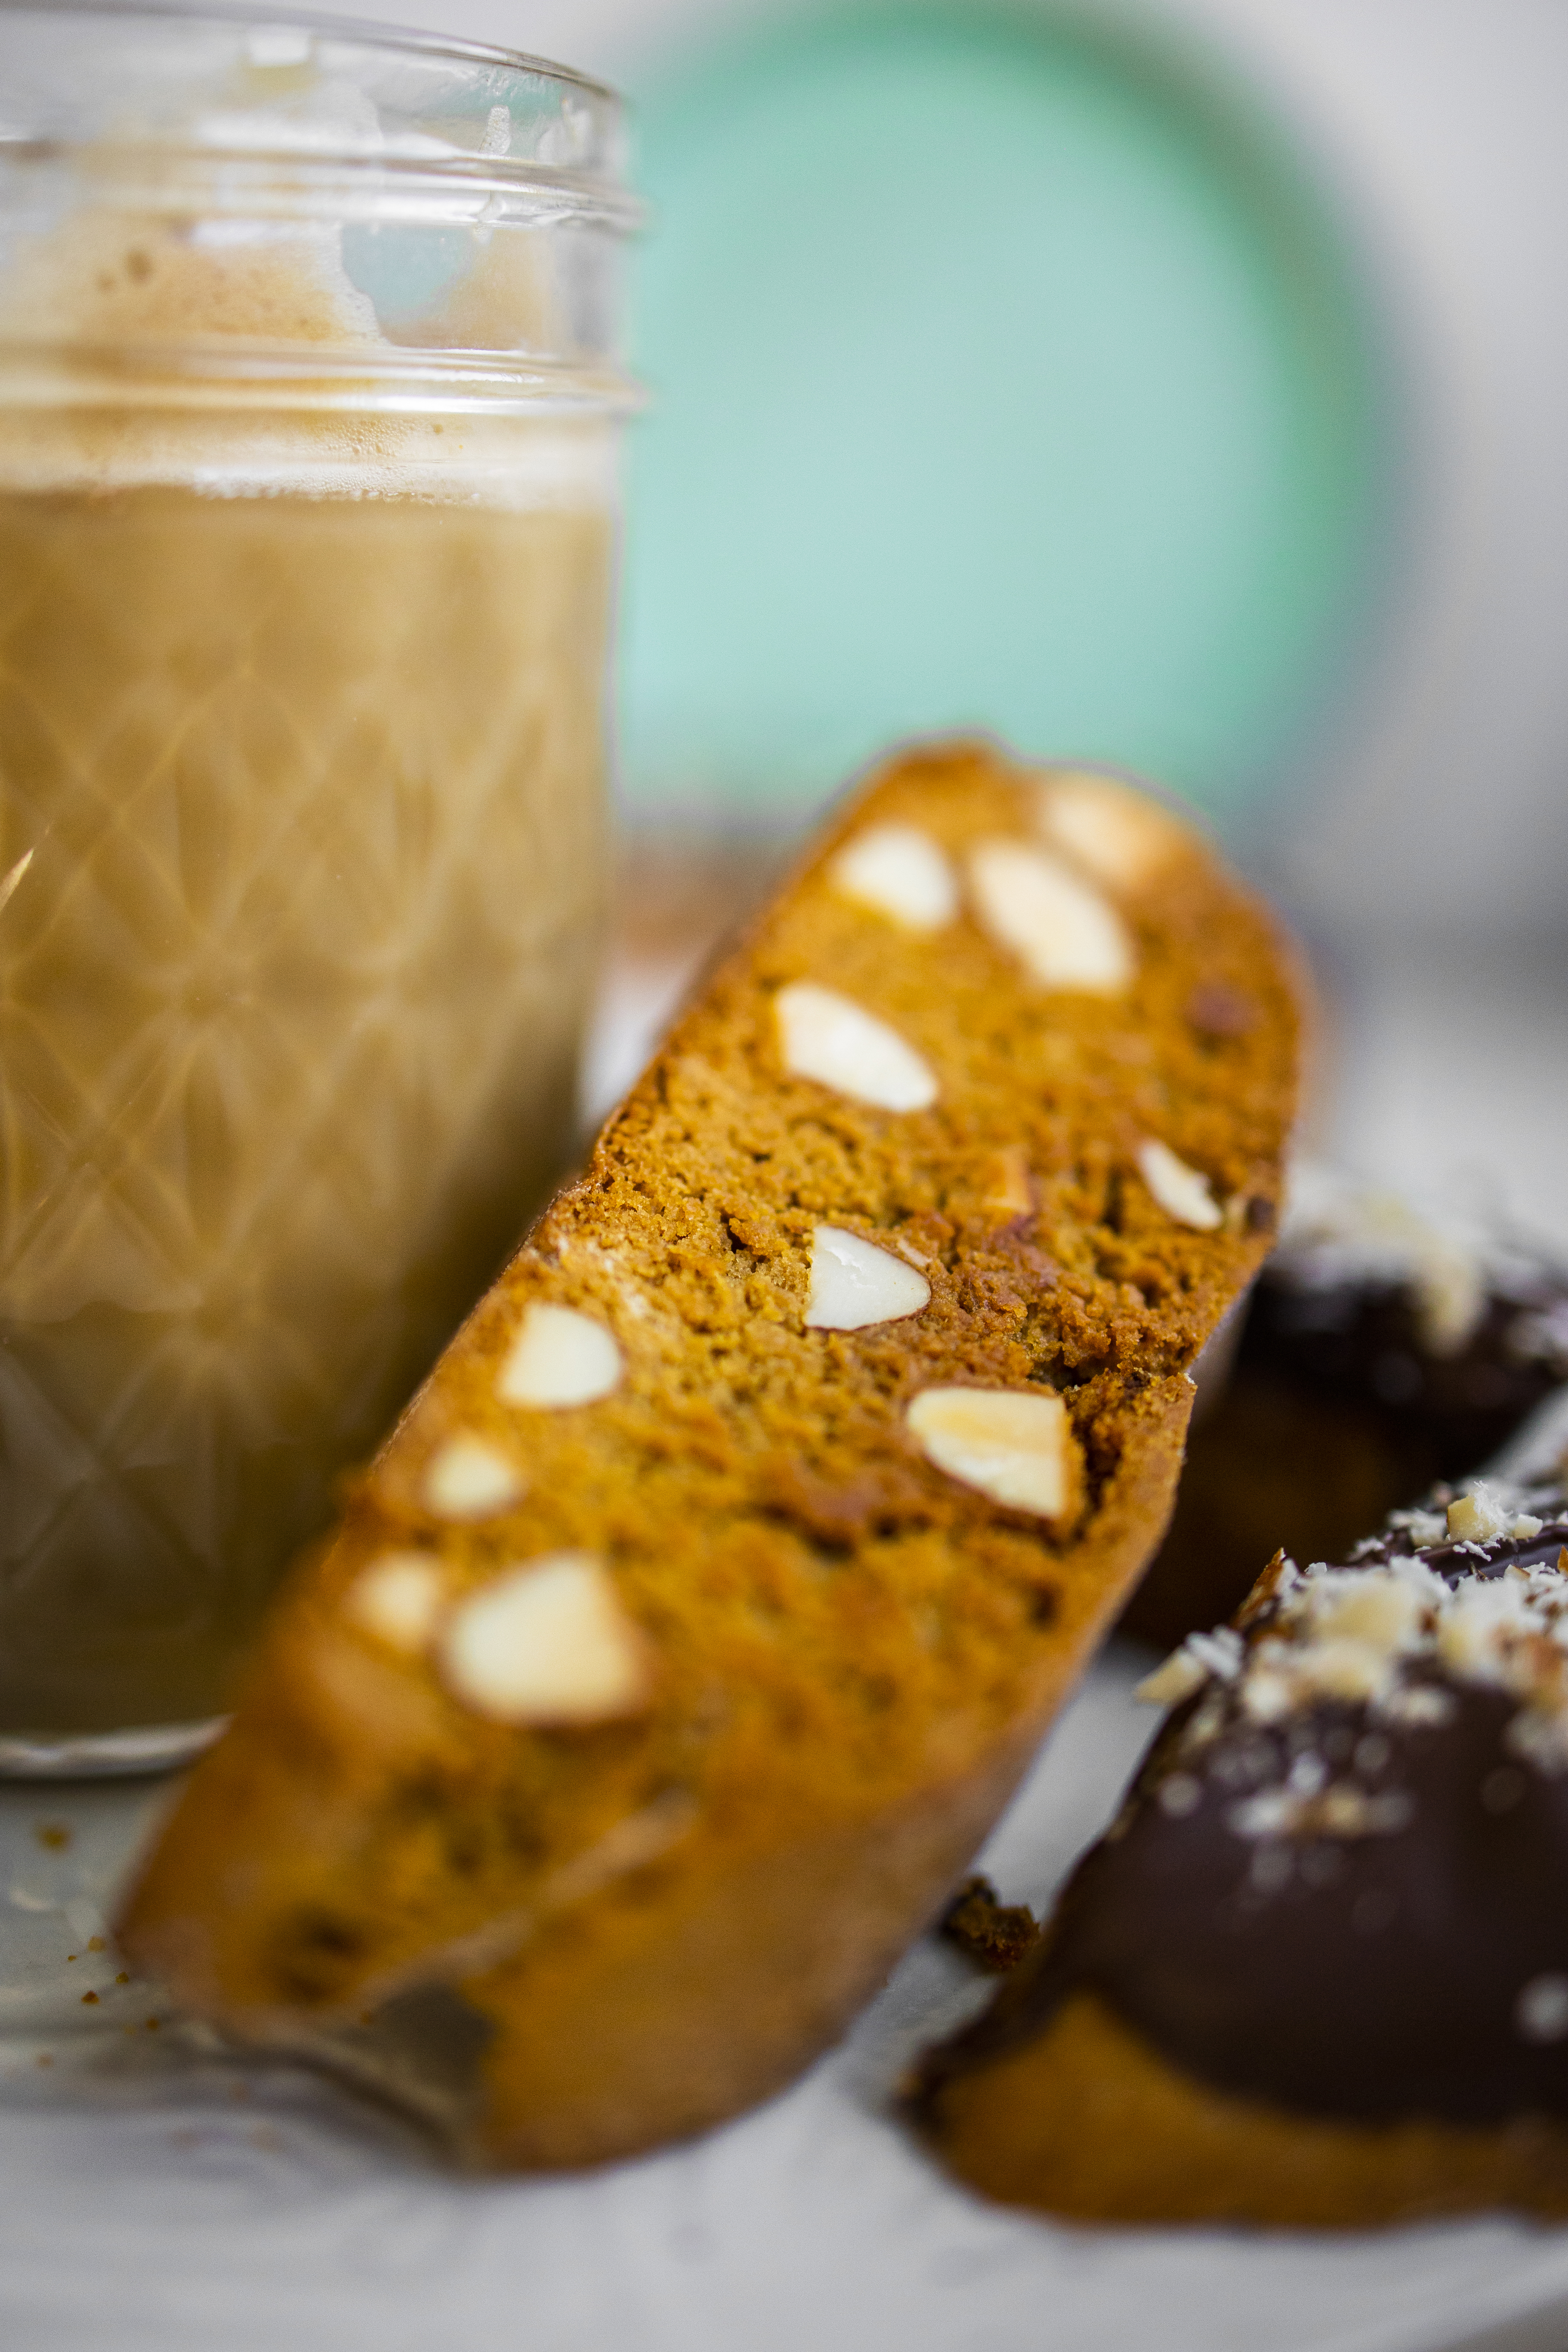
(305, 558)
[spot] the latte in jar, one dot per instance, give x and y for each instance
(303, 622)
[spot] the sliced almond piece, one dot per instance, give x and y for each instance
(1012, 1190)
(1177, 1678)
(559, 1358)
(1013, 1444)
(547, 1643)
(1181, 1191)
(468, 1478)
(1105, 826)
(901, 872)
(1063, 933)
(827, 1037)
(854, 1283)
(397, 1598)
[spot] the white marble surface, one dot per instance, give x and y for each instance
(154, 2198)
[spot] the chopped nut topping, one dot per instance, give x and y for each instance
(398, 1598)
(1539, 1734)
(825, 1036)
(1339, 1633)
(1014, 1446)
(1479, 1515)
(1419, 1703)
(1485, 1621)
(469, 1479)
(901, 872)
(1420, 1527)
(854, 1283)
(1450, 1287)
(1341, 1810)
(1181, 1191)
(1177, 1679)
(1377, 1607)
(559, 1358)
(1219, 1653)
(1337, 1232)
(1180, 1795)
(1541, 2012)
(546, 1642)
(1352, 1670)
(1393, 1635)
(1062, 930)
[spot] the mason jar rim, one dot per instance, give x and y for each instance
(370, 32)
(501, 122)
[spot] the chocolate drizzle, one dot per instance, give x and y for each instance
(1349, 1906)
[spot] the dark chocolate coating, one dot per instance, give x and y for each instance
(1337, 1411)
(1362, 1343)
(1370, 1975)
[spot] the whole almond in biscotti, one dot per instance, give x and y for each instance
(704, 1608)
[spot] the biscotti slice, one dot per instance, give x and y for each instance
(1316, 1974)
(707, 1601)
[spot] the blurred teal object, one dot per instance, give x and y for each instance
(1007, 372)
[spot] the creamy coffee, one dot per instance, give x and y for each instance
(301, 815)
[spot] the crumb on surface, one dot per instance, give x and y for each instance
(995, 1935)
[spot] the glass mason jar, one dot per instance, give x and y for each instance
(308, 407)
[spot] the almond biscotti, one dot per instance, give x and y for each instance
(1316, 1974)
(709, 1600)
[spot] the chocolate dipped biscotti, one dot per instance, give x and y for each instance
(1384, 1345)
(706, 1604)
(1316, 1972)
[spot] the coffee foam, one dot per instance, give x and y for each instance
(111, 279)
(521, 463)
(142, 346)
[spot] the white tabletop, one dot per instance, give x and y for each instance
(158, 2198)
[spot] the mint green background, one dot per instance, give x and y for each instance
(1006, 374)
